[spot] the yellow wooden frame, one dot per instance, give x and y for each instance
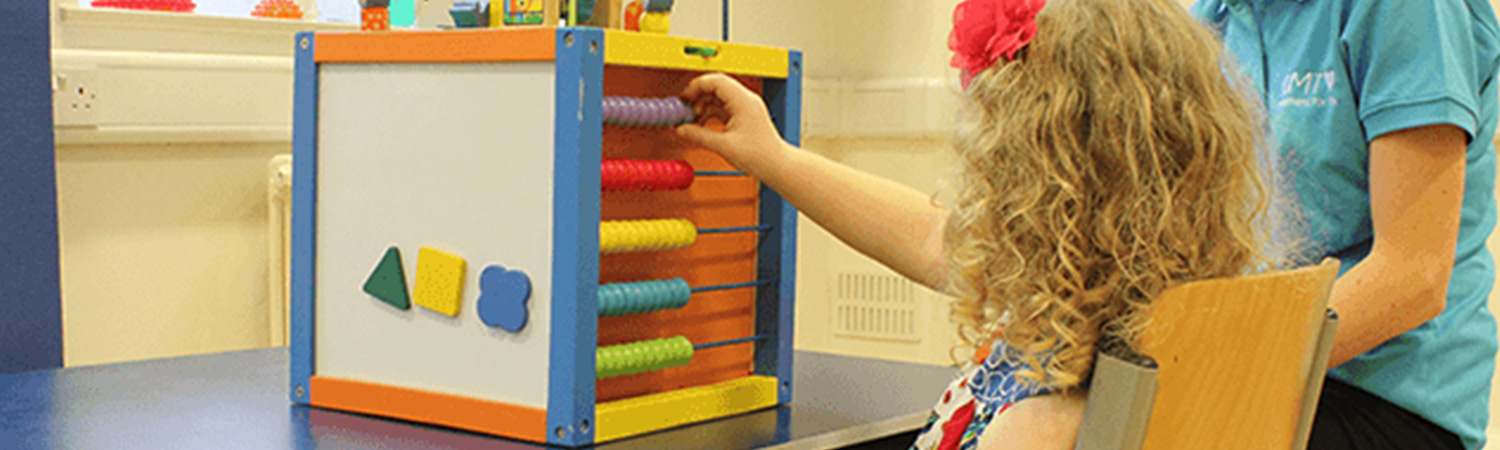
(667, 52)
(640, 415)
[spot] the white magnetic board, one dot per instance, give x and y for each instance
(458, 157)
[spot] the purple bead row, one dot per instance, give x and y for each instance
(646, 112)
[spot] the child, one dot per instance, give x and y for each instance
(1104, 157)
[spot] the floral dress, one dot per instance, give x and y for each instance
(973, 400)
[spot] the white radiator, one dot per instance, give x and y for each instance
(879, 314)
(279, 235)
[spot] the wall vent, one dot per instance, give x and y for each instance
(876, 306)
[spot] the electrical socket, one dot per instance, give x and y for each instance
(75, 97)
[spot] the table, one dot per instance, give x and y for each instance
(239, 400)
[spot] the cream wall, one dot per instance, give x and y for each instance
(162, 191)
(163, 249)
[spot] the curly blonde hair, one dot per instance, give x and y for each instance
(1113, 159)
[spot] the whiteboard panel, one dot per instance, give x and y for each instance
(453, 156)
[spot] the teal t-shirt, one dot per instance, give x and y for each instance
(1335, 74)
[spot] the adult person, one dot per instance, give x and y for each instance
(1382, 113)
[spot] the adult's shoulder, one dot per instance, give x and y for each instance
(1212, 13)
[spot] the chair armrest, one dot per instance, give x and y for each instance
(1315, 378)
(1121, 394)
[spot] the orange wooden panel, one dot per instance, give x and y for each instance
(476, 45)
(711, 202)
(1234, 356)
(430, 407)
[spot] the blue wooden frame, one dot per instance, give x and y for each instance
(31, 326)
(304, 215)
(775, 305)
(579, 152)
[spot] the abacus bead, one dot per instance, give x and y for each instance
(681, 292)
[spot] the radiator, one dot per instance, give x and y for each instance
(279, 235)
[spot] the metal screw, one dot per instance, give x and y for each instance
(796, 66)
(560, 433)
(305, 42)
(584, 427)
(568, 39)
(300, 392)
(594, 47)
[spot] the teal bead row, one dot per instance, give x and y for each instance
(643, 356)
(620, 299)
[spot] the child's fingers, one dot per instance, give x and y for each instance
(702, 136)
(704, 85)
(736, 99)
(713, 112)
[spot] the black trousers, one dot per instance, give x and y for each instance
(1350, 418)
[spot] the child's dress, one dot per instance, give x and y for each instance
(973, 400)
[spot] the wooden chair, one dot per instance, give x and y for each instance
(1224, 364)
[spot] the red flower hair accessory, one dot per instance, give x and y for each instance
(986, 30)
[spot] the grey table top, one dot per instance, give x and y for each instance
(238, 400)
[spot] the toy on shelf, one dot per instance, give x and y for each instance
(596, 13)
(470, 14)
(658, 17)
(580, 11)
(633, 12)
(147, 5)
(525, 13)
(277, 9)
(374, 15)
(572, 275)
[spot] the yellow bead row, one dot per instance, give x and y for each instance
(628, 236)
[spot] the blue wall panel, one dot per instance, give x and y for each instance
(31, 321)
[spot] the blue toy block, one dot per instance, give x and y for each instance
(502, 298)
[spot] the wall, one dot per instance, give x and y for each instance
(162, 181)
(879, 97)
(164, 249)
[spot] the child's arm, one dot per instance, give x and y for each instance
(892, 223)
(1043, 422)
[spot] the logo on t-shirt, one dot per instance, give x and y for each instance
(1309, 89)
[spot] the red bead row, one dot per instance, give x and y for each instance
(646, 175)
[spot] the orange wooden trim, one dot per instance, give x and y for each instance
(481, 45)
(430, 407)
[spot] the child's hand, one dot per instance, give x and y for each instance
(748, 137)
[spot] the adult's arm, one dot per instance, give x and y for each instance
(1416, 195)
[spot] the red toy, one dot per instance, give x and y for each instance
(147, 5)
(375, 19)
(277, 9)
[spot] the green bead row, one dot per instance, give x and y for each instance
(643, 356)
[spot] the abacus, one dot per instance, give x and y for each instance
(580, 275)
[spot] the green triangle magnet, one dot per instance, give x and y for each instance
(388, 281)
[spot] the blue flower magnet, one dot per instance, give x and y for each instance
(502, 298)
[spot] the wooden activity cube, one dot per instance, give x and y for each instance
(448, 218)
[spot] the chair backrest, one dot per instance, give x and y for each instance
(1235, 359)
